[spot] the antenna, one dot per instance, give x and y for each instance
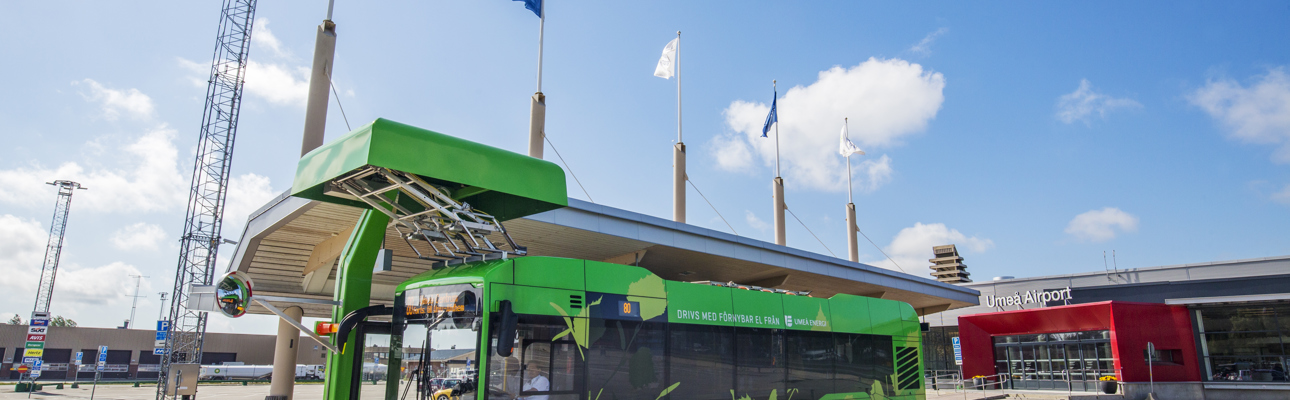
(1106, 268)
(138, 279)
(45, 291)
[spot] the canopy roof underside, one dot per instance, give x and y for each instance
(280, 240)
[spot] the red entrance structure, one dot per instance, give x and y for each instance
(1131, 327)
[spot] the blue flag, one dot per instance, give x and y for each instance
(533, 5)
(771, 118)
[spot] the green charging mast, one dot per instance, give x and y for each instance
(445, 196)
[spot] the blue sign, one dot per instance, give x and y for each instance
(30, 360)
(79, 355)
(163, 326)
(39, 322)
(158, 352)
(161, 335)
(38, 364)
(958, 352)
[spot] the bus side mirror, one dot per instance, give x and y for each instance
(506, 329)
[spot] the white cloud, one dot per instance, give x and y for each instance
(1101, 225)
(875, 173)
(912, 247)
(22, 243)
(884, 99)
(279, 84)
(138, 236)
(98, 285)
(924, 47)
(22, 249)
(1259, 113)
(131, 102)
(1083, 103)
(754, 222)
(198, 72)
(246, 193)
(263, 37)
(147, 179)
(1283, 196)
(732, 153)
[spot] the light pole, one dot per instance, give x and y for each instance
(162, 312)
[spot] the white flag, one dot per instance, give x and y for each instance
(665, 64)
(848, 148)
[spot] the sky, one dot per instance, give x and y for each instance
(1035, 136)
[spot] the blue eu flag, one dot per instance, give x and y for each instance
(533, 5)
(772, 118)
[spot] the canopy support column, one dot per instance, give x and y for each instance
(353, 291)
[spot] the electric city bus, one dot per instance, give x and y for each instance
(561, 329)
(565, 329)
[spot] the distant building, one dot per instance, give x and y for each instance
(1208, 330)
(947, 265)
(129, 354)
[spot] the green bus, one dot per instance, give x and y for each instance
(559, 329)
(564, 329)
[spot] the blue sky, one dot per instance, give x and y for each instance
(1034, 135)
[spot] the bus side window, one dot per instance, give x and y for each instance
(539, 368)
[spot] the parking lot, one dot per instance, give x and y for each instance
(312, 391)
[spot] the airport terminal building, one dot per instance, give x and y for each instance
(1208, 330)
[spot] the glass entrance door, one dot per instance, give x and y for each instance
(1054, 361)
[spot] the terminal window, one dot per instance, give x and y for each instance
(1245, 343)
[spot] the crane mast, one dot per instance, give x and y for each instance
(54, 249)
(201, 238)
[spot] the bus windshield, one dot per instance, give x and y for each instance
(450, 315)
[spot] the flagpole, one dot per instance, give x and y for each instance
(541, 31)
(678, 151)
(775, 85)
(777, 193)
(844, 125)
(853, 247)
(537, 105)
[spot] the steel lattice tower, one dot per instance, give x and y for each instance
(55, 247)
(201, 239)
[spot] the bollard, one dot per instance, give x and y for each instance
(136, 383)
(60, 385)
(75, 386)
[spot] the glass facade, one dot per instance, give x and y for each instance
(1057, 361)
(1245, 343)
(938, 350)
